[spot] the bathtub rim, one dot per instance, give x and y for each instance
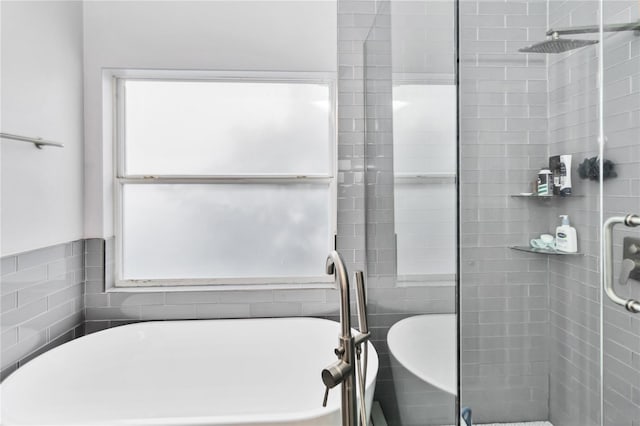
(240, 419)
(415, 370)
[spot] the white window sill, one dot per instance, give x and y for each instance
(426, 280)
(170, 288)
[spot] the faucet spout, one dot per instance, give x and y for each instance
(342, 371)
(335, 266)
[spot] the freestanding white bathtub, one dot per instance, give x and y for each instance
(202, 372)
(423, 364)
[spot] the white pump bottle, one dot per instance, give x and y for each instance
(566, 236)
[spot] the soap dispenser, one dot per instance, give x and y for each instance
(566, 237)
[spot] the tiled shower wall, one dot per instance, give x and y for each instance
(503, 144)
(42, 301)
(574, 282)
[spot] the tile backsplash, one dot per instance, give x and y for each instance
(108, 309)
(42, 301)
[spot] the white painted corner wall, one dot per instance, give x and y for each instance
(189, 35)
(42, 190)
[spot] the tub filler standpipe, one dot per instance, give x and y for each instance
(343, 371)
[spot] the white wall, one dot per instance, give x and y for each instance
(198, 35)
(42, 194)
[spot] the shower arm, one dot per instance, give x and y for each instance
(589, 29)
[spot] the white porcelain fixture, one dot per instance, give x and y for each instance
(202, 372)
(423, 364)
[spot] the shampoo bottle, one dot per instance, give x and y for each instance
(565, 175)
(566, 237)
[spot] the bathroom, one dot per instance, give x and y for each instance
(425, 129)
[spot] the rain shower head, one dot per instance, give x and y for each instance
(557, 45)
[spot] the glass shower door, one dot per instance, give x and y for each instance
(529, 332)
(621, 196)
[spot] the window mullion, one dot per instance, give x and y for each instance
(224, 179)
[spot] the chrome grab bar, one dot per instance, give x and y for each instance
(630, 220)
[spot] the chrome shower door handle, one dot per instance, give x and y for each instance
(630, 220)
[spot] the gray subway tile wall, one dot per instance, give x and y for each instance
(574, 283)
(108, 309)
(504, 316)
(42, 302)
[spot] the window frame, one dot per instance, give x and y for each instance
(120, 179)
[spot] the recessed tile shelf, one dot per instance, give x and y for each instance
(543, 251)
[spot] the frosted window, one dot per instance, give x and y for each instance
(226, 128)
(424, 128)
(225, 230)
(425, 217)
(424, 135)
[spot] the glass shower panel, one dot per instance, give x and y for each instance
(529, 318)
(411, 198)
(621, 196)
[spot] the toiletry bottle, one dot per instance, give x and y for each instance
(566, 237)
(545, 182)
(554, 166)
(565, 175)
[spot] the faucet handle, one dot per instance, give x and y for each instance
(628, 266)
(326, 396)
(335, 373)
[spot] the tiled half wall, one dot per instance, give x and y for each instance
(42, 301)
